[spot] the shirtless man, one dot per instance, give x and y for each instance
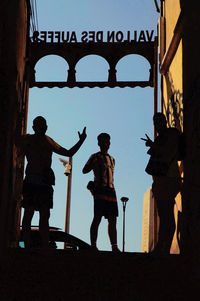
(39, 177)
(105, 200)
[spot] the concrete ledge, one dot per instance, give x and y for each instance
(85, 275)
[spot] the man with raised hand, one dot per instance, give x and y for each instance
(39, 177)
(163, 166)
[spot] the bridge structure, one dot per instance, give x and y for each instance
(72, 53)
(112, 52)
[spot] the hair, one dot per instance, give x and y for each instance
(159, 114)
(102, 136)
(39, 119)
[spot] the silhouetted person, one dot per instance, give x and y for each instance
(163, 166)
(105, 200)
(39, 177)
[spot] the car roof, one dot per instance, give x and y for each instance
(59, 236)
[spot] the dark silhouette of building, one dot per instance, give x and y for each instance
(14, 86)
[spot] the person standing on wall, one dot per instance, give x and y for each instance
(163, 166)
(39, 177)
(103, 191)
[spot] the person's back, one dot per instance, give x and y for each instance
(103, 168)
(38, 150)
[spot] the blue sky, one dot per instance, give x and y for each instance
(125, 113)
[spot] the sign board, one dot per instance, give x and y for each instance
(129, 36)
(112, 46)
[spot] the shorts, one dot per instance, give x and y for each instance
(37, 196)
(166, 188)
(105, 202)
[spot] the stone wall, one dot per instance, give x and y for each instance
(13, 99)
(58, 275)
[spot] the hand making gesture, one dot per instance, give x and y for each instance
(148, 141)
(83, 135)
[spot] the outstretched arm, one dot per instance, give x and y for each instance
(69, 153)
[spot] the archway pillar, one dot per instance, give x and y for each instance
(112, 77)
(71, 79)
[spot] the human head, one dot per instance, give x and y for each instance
(39, 125)
(160, 122)
(104, 141)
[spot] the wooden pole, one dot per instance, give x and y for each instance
(68, 200)
(155, 78)
(155, 111)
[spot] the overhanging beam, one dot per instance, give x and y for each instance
(120, 84)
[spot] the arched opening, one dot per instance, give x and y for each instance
(133, 68)
(92, 68)
(51, 68)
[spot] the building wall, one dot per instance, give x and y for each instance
(180, 99)
(191, 94)
(13, 98)
(148, 222)
(172, 105)
(172, 76)
(171, 11)
(171, 68)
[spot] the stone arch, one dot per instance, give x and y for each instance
(92, 63)
(75, 52)
(55, 62)
(133, 62)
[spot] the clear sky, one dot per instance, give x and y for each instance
(125, 113)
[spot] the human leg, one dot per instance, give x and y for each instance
(26, 226)
(44, 226)
(166, 226)
(94, 229)
(164, 191)
(112, 232)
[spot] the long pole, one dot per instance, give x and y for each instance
(155, 79)
(123, 244)
(155, 234)
(68, 200)
(124, 201)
